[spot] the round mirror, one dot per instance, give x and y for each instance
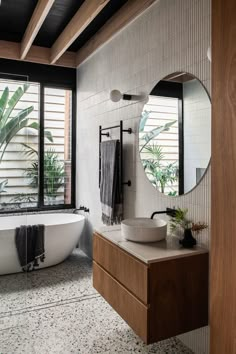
(175, 134)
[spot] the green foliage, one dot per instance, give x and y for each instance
(23, 198)
(172, 194)
(47, 134)
(10, 126)
(30, 150)
(154, 132)
(3, 184)
(159, 174)
(143, 121)
(180, 220)
(54, 173)
(156, 151)
(33, 174)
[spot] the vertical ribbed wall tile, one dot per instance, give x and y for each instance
(172, 35)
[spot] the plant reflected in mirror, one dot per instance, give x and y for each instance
(175, 134)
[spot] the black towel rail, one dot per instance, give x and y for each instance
(107, 134)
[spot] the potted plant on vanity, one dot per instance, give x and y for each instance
(181, 221)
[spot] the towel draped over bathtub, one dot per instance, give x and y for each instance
(110, 190)
(29, 241)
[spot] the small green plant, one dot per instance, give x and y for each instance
(54, 172)
(172, 194)
(160, 175)
(180, 220)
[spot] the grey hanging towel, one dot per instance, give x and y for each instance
(110, 190)
(29, 241)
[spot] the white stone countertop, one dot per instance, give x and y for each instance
(149, 252)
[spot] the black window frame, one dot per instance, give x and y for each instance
(47, 77)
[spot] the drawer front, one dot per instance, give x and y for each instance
(125, 304)
(129, 271)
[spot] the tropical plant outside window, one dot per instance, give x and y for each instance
(19, 145)
(58, 155)
(158, 144)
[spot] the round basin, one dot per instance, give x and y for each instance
(144, 229)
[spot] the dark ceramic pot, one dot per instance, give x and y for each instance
(188, 241)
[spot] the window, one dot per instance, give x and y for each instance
(36, 146)
(162, 110)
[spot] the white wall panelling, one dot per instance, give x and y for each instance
(170, 36)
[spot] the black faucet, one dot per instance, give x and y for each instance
(86, 210)
(80, 208)
(168, 211)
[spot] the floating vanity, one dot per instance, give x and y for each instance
(159, 289)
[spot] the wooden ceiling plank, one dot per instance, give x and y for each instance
(117, 22)
(40, 13)
(42, 55)
(83, 17)
(36, 54)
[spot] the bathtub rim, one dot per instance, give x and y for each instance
(61, 222)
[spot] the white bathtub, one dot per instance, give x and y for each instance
(62, 233)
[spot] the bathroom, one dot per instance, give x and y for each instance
(86, 73)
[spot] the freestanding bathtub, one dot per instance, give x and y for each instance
(62, 233)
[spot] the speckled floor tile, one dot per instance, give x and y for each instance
(79, 324)
(65, 281)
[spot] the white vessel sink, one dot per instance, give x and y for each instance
(144, 229)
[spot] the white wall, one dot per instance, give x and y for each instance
(197, 131)
(173, 35)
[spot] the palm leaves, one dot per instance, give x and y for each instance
(158, 173)
(54, 173)
(3, 184)
(154, 132)
(180, 220)
(155, 151)
(10, 126)
(143, 120)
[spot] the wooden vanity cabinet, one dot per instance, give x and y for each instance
(158, 300)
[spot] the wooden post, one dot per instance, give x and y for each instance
(223, 236)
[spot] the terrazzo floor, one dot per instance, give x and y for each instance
(57, 311)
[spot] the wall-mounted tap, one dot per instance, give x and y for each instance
(79, 209)
(83, 208)
(168, 211)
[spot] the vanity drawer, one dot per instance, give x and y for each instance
(125, 268)
(126, 305)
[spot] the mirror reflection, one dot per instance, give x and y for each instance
(175, 134)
